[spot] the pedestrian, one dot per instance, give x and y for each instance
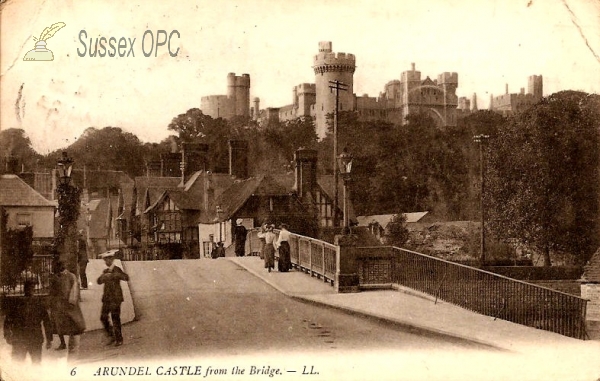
(54, 306)
(66, 311)
(112, 298)
(261, 238)
(284, 264)
(218, 251)
(82, 259)
(23, 323)
(239, 234)
(269, 251)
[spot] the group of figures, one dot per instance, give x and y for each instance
(270, 243)
(59, 314)
(32, 319)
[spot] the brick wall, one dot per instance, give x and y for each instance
(591, 292)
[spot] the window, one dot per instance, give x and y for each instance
(24, 219)
(206, 248)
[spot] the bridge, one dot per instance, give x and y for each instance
(350, 268)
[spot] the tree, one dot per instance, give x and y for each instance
(69, 200)
(542, 179)
(195, 127)
(396, 233)
(15, 142)
(109, 148)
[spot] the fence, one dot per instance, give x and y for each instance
(476, 290)
(312, 256)
(39, 272)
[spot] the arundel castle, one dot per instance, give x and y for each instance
(409, 94)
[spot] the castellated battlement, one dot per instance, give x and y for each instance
(306, 88)
(334, 62)
(335, 58)
(447, 77)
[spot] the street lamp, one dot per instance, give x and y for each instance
(64, 168)
(345, 167)
(219, 213)
(481, 139)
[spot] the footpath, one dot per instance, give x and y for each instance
(91, 304)
(414, 311)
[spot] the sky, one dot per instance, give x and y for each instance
(488, 43)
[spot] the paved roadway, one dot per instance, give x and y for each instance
(213, 307)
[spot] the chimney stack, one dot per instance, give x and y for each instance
(238, 159)
(306, 171)
(12, 165)
(193, 159)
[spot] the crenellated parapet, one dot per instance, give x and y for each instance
(334, 62)
(306, 88)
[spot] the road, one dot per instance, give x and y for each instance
(213, 307)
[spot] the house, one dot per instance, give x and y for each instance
(183, 217)
(590, 288)
(378, 223)
(23, 206)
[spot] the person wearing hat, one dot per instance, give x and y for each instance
(239, 235)
(112, 298)
(269, 249)
(66, 312)
(284, 264)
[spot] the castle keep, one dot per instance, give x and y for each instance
(235, 103)
(400, 97)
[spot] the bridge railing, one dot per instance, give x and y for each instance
(476, 290)
(312, 256)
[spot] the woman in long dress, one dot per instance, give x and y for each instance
(269, 251)
(284, 264)
(67, 314)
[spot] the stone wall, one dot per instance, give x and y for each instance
(591, 291)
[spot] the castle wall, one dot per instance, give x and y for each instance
(217, 106)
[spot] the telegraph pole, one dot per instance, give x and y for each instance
(337, 86)
(481, 139)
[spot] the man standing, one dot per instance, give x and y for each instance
(112, 297)
(23, 324)
(240, 233)
(82, 259)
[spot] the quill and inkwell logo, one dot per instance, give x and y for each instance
(41, 53)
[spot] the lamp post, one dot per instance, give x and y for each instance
(69, 198)
(219, 213)
(345, 167)
(481, 139)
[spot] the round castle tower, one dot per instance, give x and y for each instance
(329, 66)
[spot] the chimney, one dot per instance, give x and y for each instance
(12, 165)
(238, 159)
(306, 171)
(193, 159)
(506, 86)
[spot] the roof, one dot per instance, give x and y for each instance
(98, 211)
(327, 185)
(153, 187)
(591, 271)
(99, 179)
(384, 219)
(235, 196)
(16, 192)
